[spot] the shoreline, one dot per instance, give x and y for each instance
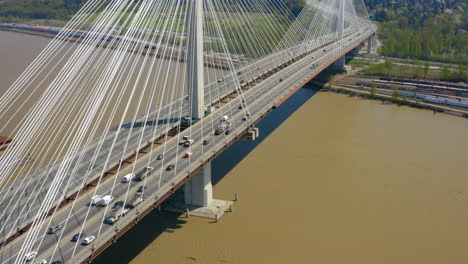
(29, 32)
(400, 101)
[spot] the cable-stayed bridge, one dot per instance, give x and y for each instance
(152, 89)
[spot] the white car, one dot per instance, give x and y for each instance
(128, 177)
(95, 199)
(88, 240)
(42, 262)
(105, 200)
(30, 256)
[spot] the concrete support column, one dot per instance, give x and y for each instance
(340, 63)
(369, 44)
(198, 190)
(195, 82)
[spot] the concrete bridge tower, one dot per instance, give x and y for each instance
(340, 63)
(198, 191)
(195, 82)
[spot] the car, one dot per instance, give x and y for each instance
(206, 142)
(141, 189)
(128, 177)
(53, 229)
(244, 119)
(118, 204)
(57, 262)
(187, 154)
(88, 240)
(95, 199)
(281, 79)
(188, 143)
(107, 199)
(220, 80)
(170, 167)
(77, 237)
(227, 132)
(239, 73)
(185, 137)
(160, 157)
(241, 107)
(42, 262)
(30, 256)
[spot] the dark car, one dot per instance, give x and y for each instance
(160, 157)
(244, 119)
(53, 229)
(141, 189)
(170, 167)
(57, 262)
(117, 204)
(240, 107)
(77, 237)
(206, 142)
(281, 79)
(227, 132)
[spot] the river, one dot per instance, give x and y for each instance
(338, 179)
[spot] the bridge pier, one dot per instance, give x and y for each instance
(198, 191)
(339, 65)
(198, 198)
(370, 41)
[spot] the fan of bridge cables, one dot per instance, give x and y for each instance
(108, 95)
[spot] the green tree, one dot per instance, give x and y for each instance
(426, 69)
(373, 85)
(395, 94)
(444, 73)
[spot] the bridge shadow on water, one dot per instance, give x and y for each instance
(154, 224)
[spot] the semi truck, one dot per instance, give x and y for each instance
(135, 200)
(141, 175)
(116, 214)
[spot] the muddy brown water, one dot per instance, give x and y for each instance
(342, 180)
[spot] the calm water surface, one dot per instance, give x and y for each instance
(342, 180)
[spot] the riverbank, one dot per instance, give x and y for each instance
(398, 101)
(346, 84)
(343, 180)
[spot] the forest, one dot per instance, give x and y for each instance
(423, 29)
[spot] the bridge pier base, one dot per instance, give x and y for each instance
(370, 41)
(251, 135)
(198, 191)
(198, 198)
(339, 65)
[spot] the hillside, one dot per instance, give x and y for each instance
(423, 29)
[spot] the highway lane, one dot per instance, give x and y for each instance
(271, 81)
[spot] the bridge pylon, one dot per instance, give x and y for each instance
(339, 64)
(195, 64)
